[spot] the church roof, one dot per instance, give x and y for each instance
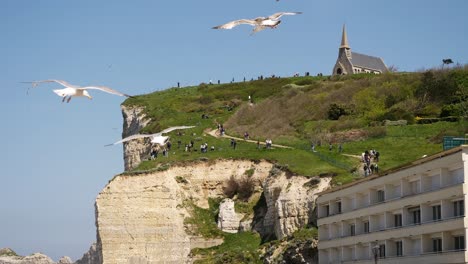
(369, 62)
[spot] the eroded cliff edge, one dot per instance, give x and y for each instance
(140, 217)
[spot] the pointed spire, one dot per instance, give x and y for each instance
(344, 39)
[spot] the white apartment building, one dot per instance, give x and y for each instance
(413, 214)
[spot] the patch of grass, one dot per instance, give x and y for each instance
(181, 179)
(247, 208)
(237, 248)
(203, 221)
(250, 172)
(305, 234)
(295, 115)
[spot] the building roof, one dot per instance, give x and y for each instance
(402, 167)
(368, 62)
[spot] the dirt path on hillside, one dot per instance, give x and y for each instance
(216, 134)
(353, 156)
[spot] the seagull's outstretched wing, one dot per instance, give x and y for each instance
(61, 82)
(130, 138)
(234, 23)
(277, 16)
(104, 89)
(167, 130)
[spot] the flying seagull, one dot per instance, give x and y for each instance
(259, 23)
(71, 90)
(156, 138)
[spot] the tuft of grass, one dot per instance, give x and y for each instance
(203, 221)
(237, 248)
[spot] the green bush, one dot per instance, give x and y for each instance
(397, 114)
(451, 110)
(335, 111)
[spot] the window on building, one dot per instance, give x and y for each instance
(416, 214)
(327, 210)
(398, 220)
(339, 207)
(436, 213)
(399, 248)
(414, 187)
(366, 227)
(437, 244)
(459, 208)
(459, 242)
(382, 251)
(380, 196)
(352, 229)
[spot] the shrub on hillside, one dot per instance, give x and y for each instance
(336, 110)
(451, 110)
(243, 188)
(397, 114)
(230, 187)
(305, 82)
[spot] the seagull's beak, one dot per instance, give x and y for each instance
(90, 97)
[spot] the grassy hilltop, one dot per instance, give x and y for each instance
(298, 111)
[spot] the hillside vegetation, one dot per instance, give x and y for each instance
(296, 112)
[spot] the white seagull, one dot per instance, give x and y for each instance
(156, 138)
(71, 90)
(259, 23)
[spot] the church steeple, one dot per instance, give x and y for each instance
(344, 39)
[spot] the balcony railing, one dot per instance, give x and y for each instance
(389, 200)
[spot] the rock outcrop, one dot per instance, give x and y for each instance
(65, 260)
(135, 150)
(140, 218)
(292, 252)
(90, 257)
(36, 258)
(228, 219)
(290, 203)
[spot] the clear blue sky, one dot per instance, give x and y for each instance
(53, 160)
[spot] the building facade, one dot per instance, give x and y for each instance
(413, 214)
(352, 62)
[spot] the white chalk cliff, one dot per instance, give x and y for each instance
(140, 217)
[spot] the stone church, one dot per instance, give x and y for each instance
(352, 63)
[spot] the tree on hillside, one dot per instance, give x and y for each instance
(446, 61)
(335, 111)
(393, 68)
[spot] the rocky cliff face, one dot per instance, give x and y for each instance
(135, 150)
(290, 202)
(140, 218)
(90, 257)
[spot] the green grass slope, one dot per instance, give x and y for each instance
(346, 110)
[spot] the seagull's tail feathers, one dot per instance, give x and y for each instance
(257, 29)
